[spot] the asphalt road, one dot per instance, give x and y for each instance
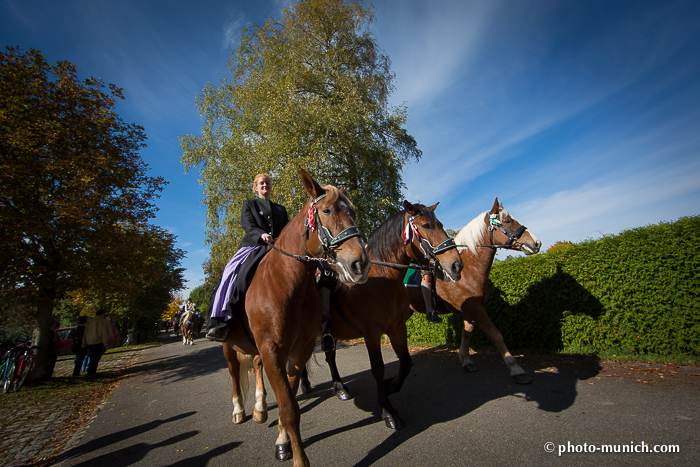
(176, 409)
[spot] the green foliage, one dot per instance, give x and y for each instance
(637, 292)
(309, 92)
(75, 195)
(200, 297)
(422, 332)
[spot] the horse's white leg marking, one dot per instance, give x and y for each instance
(261, 400)
(238, 407)
(283, 438)
(511, 363)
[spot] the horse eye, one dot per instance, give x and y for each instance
(426, 226)
(327, 212)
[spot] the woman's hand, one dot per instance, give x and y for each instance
(267, 238)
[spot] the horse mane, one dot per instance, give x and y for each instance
(474, 232)
(384, 239)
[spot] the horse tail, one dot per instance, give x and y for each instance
(244, 374)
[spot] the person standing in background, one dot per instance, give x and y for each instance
(97, 334)
(77, 346)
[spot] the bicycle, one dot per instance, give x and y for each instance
(17, 363)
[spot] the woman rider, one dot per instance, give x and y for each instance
(262, 220)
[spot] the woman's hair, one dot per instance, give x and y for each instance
(255, 180)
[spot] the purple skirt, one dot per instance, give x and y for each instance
(219, 307)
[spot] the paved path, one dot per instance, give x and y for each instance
(21, 441)
(175, 409)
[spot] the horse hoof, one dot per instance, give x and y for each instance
(470, 368)
(341, 392)
(283, 452)
(393, 422)
(259, 417)
(306, 388)
(239, 418)
(521, 379)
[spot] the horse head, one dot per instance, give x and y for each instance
(506, 232)
(422, 231)
(332, 216)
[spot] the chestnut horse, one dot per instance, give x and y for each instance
(283, 308)
(380, 306)
(188, 322)
(477, 243)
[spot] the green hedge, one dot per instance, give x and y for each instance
(637, 292)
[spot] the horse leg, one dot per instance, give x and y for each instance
(305, 382)
(399, 342)
(238, 368)
(464, 357)
(339, 389)
(389, 414)
(517, 374)
(260, 410)
(289, 411)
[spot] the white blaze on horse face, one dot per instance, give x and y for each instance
(535, 241)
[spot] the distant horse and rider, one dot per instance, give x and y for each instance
(191, 322)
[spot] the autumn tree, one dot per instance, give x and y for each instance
(75, 196)
(310, 91)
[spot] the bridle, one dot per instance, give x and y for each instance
(328, 242)
(430, 252)
(513, 236)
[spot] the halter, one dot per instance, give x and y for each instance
(328, 241)
(494, 224)
(429, 250)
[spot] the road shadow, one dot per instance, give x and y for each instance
(438, 391)
(193, 362)
(129, 455)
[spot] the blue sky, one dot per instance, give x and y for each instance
(583, 117)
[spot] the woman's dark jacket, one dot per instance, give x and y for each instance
(258, 217)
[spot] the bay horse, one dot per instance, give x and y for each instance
(283, 308)
(380, 306)
(188, 322)
(477, 243)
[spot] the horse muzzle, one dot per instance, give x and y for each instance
(451, 270)
(354, 271)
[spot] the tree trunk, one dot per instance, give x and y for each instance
(134, 331)
(42, 339)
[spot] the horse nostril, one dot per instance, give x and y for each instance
(358, 266)
(456, 267)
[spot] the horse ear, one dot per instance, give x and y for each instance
(409, 208)
(342, 190)
(495, 209)
(312, 187)
(432, 208)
